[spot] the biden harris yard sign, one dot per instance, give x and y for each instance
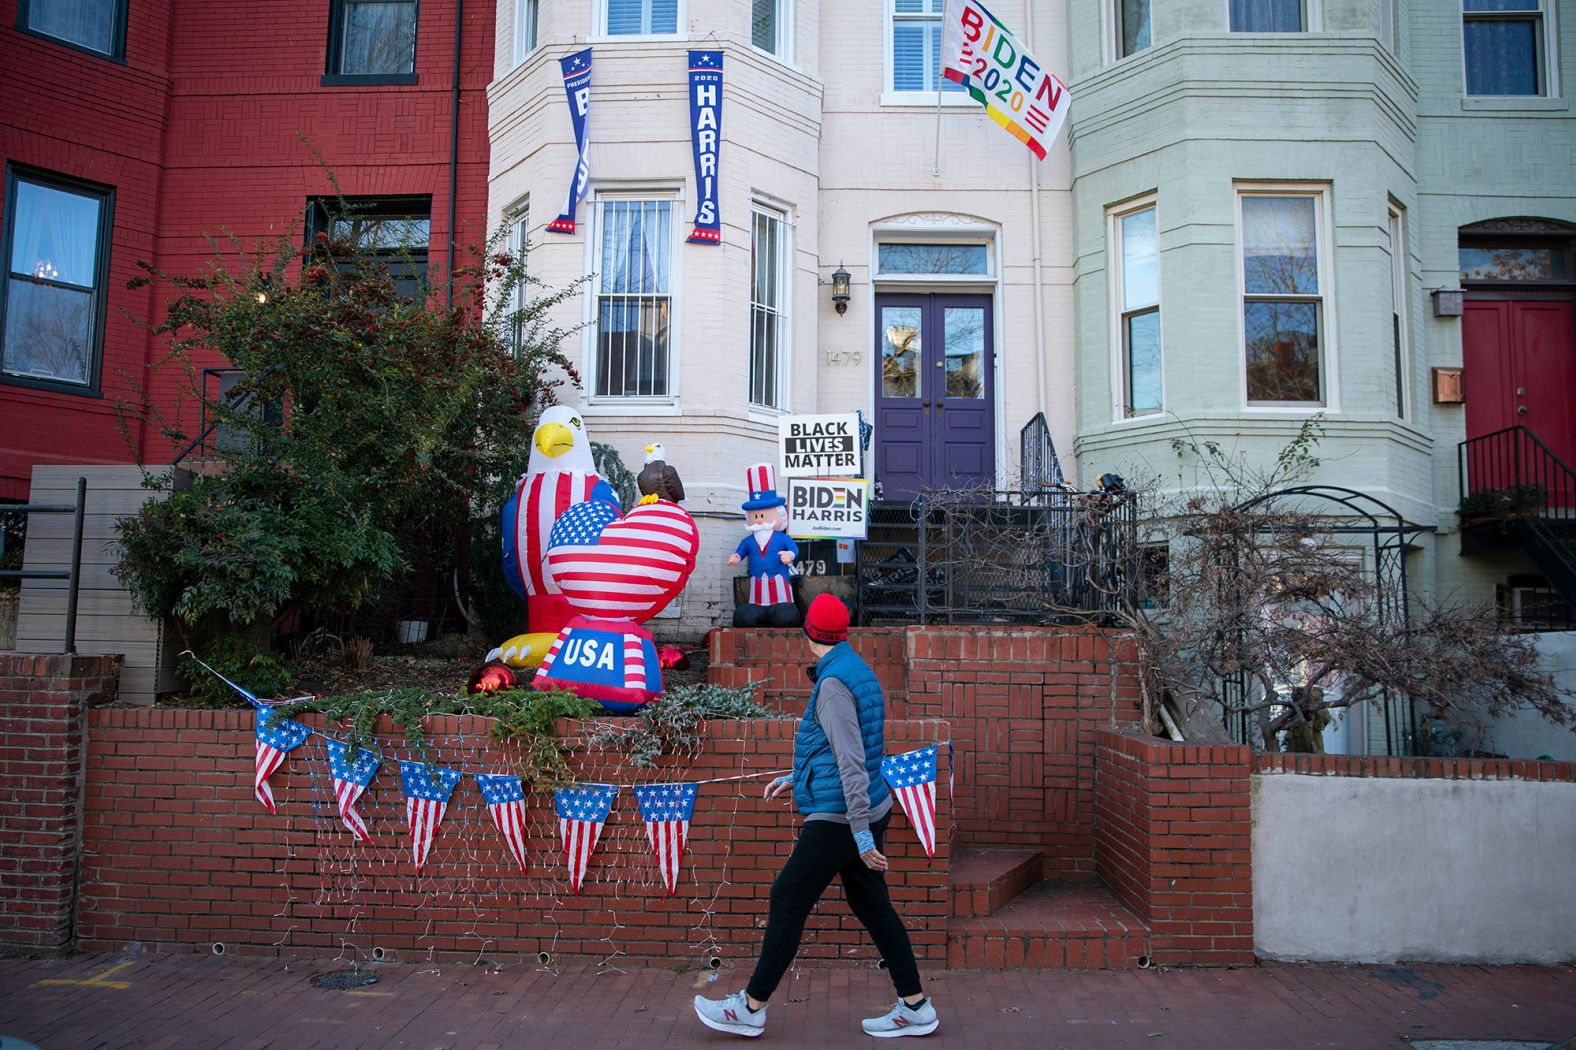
(827, 508)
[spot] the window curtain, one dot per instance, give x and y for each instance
(635, 242)
(1135, 26)
(1502, 56)
(90, 23)
(378, 38)
(1280, 246)
(1266, 16)
(55, 235)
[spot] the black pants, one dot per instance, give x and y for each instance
(826, 848)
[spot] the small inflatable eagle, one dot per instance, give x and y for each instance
(658, 480)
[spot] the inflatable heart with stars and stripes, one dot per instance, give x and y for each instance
(622, 567)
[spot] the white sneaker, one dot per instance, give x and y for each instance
(733, 1015)
(902, 1019)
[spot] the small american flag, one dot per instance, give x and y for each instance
(506, 805)
(427, 790)
(913, 777)
(666, 810)
(350, 780)
(582, 810)
(622, 568)
(274, 740)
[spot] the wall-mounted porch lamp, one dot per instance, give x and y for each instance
(840, 289)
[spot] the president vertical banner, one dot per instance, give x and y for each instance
(577, 85)
(983, 55)
(705, 91)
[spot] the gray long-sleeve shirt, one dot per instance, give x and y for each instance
(839, 720)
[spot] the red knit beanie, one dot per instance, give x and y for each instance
(827, 620)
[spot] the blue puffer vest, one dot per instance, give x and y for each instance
(817, 787)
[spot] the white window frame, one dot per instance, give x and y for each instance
(984, 239)
(1120, 410)
(1329, 385)
(519, 219)
(773, 210)
(1548, 52)
(1312, 19)
(526, 12)
(1113, 31)
(1399, 284)
(890, 96)
(600, 35)
(622, 404)
(785, 16)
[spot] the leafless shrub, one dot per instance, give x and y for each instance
(1246, 603)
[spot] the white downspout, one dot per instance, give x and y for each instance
(1041, 372)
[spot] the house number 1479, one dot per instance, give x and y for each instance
(845, 357)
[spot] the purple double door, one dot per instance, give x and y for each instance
(935, 392)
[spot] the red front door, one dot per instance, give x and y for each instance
(1520, 361)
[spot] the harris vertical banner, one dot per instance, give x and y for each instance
(577, 85)
(983, 55)
(705, 93)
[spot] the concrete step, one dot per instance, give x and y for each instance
(983, 880)
(1054, 924)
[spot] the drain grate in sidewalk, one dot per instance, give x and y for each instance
(345, 980)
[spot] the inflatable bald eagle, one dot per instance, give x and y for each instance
(560, 474)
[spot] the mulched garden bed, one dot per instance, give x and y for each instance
(442, 666)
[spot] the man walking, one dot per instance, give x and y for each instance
(837, 786)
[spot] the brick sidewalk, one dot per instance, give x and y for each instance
(159, 1001)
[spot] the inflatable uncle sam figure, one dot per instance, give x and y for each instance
(560, 474)
(769, 554)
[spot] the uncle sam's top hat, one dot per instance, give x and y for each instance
(761, 481)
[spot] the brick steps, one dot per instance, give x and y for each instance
(982, 881)
(1054, 924)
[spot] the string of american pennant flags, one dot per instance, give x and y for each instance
(582, 810)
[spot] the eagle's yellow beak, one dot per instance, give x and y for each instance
(651, 448)
(554, 439)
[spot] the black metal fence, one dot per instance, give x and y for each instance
(1046, 556)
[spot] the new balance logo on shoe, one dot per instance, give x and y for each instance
(730, 1015)
(900, 1021)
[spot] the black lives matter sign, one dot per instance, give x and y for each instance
(819, 446)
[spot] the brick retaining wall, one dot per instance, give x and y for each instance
(1173, 841)
(177, 851)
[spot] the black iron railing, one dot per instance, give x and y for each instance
(1516, 466)
(72, 576)
(228, 385)
(1512, 478)
(1000, 557)
(1038, 463)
